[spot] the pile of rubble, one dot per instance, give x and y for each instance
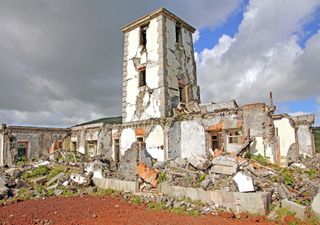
(63, 173)
(69, 173)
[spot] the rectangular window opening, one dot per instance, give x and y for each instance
(116, 150)
(216, 140)
(178, 34)
(235, 137)
(142, 77)
(143, 35)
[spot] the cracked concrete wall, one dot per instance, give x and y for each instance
(305, 137)
(165, 62)
(155, 143)
(193, 140)
(100, 133)
(179, 64)
(127, 137)
(142, 103)
(38, 140)
(287, 140)
(174, 140)
(258, 119)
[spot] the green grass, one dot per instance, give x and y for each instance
(287, 176)
(162, 177)
(37, 172)
(156, 206)
(316, 132)
(55, 171)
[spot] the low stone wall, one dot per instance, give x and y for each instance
(254, 202)
(119, 185)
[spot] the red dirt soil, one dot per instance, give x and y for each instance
(103, 210)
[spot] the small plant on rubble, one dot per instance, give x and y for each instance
(287, 176)
(312, 173)
(136, 200)
(156, 206)
(24, 194)
(37, 172)
(162, 177)
(55, 171)
(202, 177)
(259, 158)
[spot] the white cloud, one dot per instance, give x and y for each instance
(263, 56)
(196, 36)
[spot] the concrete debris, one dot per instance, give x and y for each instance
(244, 182)
(95, 167)
(40, 180)
(299, 210)
(315, 206)
(148, 174)
(224, 165)
(79, 179)
(181, 162)
(205, 183)
(55, 179)
(199, 162)
(3, 189)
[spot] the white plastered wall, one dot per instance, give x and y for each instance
(151, 100)
(155, 143)
(286, 133)
(127, 137)
(192, 138)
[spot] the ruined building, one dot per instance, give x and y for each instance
(161, 108)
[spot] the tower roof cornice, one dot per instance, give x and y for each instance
(162, 11)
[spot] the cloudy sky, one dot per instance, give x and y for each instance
(60, 60)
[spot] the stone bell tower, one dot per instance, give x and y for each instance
(159, 70)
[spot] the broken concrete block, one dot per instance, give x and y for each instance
(148, 174)
(55, 178)
(11, 171)
(299, 210)
(44, 163)
(315, 206)
(199, 162)
(21, 184)
(224, 165)
(244, 182)
(180, 162)
(3, 189)
(77, 178)
(206, 183)
(40, 180)
(95, 167)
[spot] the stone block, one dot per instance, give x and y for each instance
(148, 174)
(244, 182)
(224, 165)
(54, 179)
(315, 206)
(199, 162)
(299, 210)
(40, 180)
(180, 162)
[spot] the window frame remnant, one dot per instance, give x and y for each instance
(22, 145)
(234, 136)
(92, 144)
(217, 142)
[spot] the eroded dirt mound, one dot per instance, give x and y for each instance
(101, 210)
